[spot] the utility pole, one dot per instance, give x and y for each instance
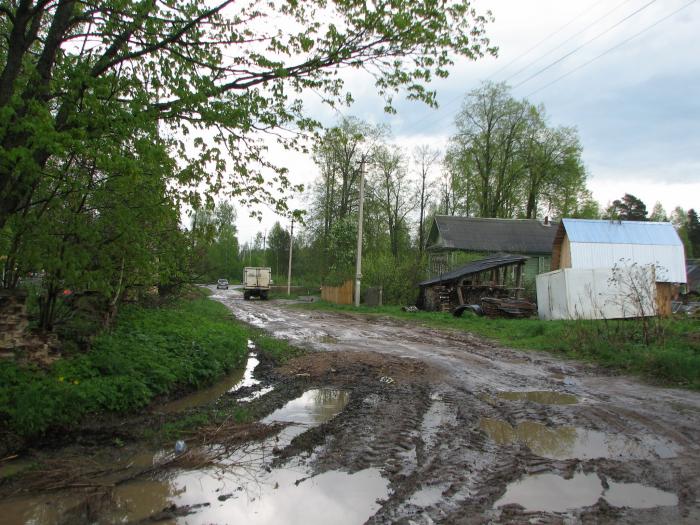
(289, 269)
(358, 262)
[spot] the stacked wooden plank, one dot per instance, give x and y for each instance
(498, 307)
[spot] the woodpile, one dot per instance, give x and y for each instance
(497, 307)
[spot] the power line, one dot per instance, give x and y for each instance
(609, 50)
(450, 103)
(551, 64)
(566, 41)
(548, 37)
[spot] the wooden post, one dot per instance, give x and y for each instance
(460, 296)
(518, 279)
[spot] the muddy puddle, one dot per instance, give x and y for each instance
(573, 442)
(236, 380)
(543, 397)
(239, 486)
(552, 493)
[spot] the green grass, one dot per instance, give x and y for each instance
(672, 358)
(151, 352)
(183, 426)
(278, 349)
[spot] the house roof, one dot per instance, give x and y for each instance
(493, 235)
(488, 263)
(621, 232)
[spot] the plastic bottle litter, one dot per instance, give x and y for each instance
(180, 446)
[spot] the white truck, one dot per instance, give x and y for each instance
(256, 282)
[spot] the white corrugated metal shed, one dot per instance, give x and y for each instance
(605, 243)
(592, 294)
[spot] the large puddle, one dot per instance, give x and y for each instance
(238, 488)
(573, 442)
(552, 493)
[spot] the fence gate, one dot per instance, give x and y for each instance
(338, 294)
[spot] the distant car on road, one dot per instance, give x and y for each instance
(222, 284)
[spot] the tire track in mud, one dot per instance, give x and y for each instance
(426, 435)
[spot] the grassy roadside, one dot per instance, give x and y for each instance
(151, 352)
(673, 359)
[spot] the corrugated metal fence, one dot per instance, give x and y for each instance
(338, 294)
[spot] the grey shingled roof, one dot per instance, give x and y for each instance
(488, 263)
(494, 235)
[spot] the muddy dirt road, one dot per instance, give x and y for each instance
(465, 431)
(384, 422)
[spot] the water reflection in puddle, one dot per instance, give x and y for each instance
(234, 381)
(310, 409)
(552, 493)
(429, 495)
(241, 488)
(281, 496)
(543, 397)
(573, 442)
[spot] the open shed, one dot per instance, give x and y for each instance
(499, 275)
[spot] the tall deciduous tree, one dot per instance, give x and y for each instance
(658, 214)
(278, 242)
(424, 158)
(553, 166)
(340, 155)
(490, 129)
(232, 67)
(506, 160)
(393, 192)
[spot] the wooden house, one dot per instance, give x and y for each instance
(452, 241)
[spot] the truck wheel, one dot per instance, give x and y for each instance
(263, 296)
(246, 296)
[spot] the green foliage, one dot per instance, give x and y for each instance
(506, 160)
(214, 244)
(278, 243)
(629, 208)
(208, 71)
(151, 352)
(278, 349)
(342, 249)
(398, 278)
(693, 233)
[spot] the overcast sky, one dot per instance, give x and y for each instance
(636, 107)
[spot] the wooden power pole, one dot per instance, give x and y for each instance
(358, 262)
(289, 269)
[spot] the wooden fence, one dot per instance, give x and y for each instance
(338, 294)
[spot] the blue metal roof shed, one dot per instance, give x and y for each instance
(589, 244)
(622, 232)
